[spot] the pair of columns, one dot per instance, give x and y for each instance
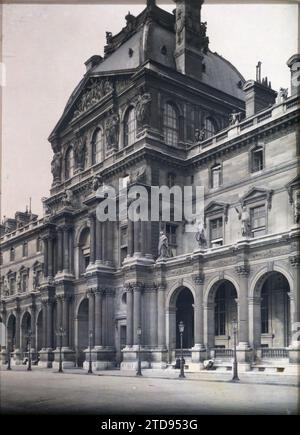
(62, 319)
(156, 326)
(65, 249)
(101, 240)
(139, 236)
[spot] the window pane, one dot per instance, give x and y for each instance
(130, 128)
(257, 160)
(171, 125)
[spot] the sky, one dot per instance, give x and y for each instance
(44, 49)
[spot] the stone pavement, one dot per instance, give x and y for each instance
(49, 392)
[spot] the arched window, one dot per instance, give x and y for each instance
(210, 127)
(129, 127)
(170, 125)
(69, 163)
(97, 147)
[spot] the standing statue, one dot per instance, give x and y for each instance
(56, 166)
(200, 236)
(97, 181)
(234, 118)
(163, 246)
(19, 289)
(67, 199)
(244, 217)
(112, 131)
(79, 150)
(143, 107)
(199, 134)
(180, 23)
(297, 209)
(34, 280)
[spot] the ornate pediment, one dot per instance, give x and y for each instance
(94, 91)
(215, 207)
(256, 194)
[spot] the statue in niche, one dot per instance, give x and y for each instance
(34, 280)
(163, 246)
(244, 217)
(143, 107)
(79, 151)
(56, 166)
(200, 236)
(97, 182)
(68, 198)
(112, 131)
(6, 287)
(297, 208)
(19, 284)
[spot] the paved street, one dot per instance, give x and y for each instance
(68, 393)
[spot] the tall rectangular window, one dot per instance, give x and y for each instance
(216, 232)
(257, 163)
(258, 221)
(216, 176)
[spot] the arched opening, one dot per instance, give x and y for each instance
(25, 328)
(82, 330)
(221, 311)
(84, 251)
(39, 327)
(185, 314)
(275, 311)
(11, 332)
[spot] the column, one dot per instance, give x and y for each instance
(161, 316)
(255, 322)
(44, 302)
(129, 317)
(137, 234)
(49, 324)
(198, 311)
(243, 318)
(59, 249)
(130, 238)
(18, 329)
(99, 240)
(98, 317)
(91, 297)
(65, 320)
(92, 238)
(45, 257)
(136, 310)
(33, 327)
(58, 312)
(71, 251)
(153, 316)
(50, 256)
(294, 348)
(66, 249)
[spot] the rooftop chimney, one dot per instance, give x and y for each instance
(294, 64)
(259, 93)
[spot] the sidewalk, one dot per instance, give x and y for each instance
(207, 376)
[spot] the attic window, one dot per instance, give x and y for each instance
(163, 50)
(130, 52)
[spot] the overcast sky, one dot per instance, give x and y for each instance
(44, 50)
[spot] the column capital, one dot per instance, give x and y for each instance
(295, 261)
(243, 270)
(199, 279)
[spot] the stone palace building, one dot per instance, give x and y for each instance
(160, 108)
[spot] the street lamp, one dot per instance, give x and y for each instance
(8, 355)
(60, 333)
(29, 350)
(181, 330)
(90, 352)
(235, 377)
(139, 368)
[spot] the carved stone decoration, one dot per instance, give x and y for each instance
(200, 135)
(97, 89)
(180, 23)
(112, 131)
(295, 260)
(138, 176)
(79, 151)
(199, 279)
(163, 246)
(235, 118)
(130, 23)
(56, 167)
(97, 181)
(68, 198)
(200, 236)
(243, 270)
(143, 109)
(244, 217)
